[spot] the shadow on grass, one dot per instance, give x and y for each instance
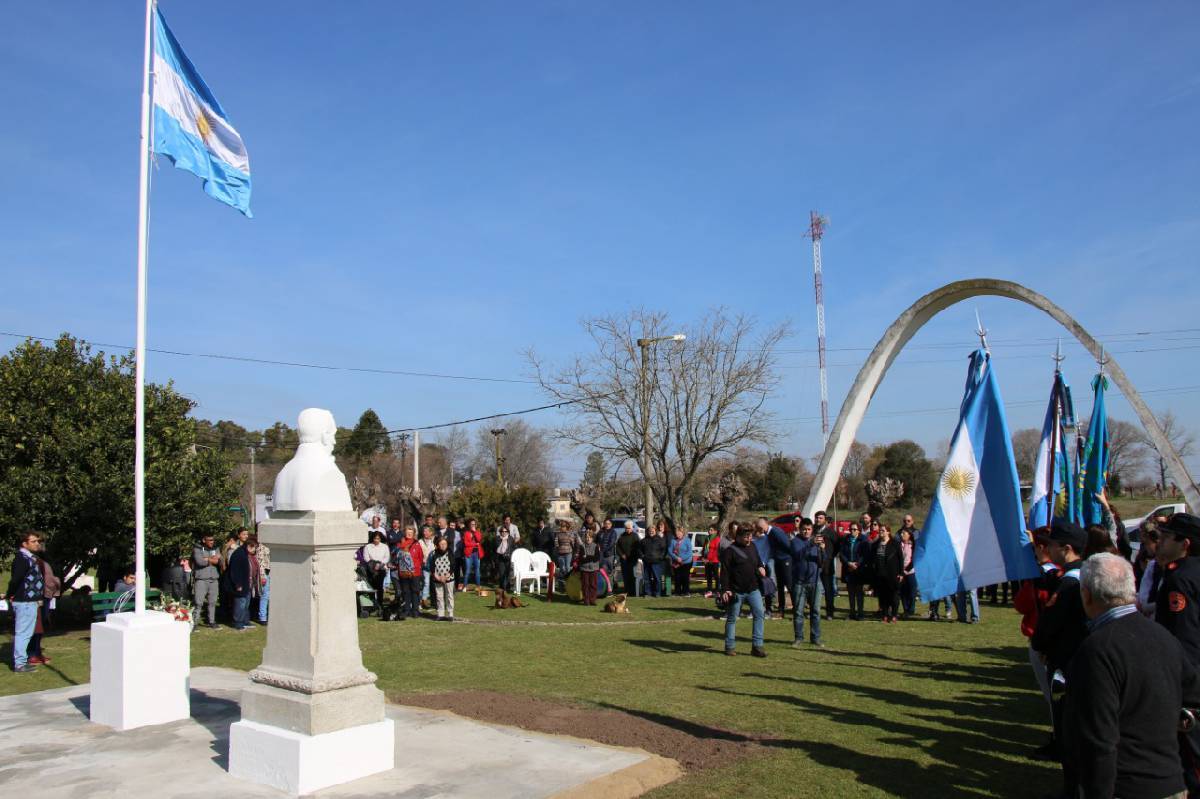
(671, 646)
(968, 754)
(705, 612)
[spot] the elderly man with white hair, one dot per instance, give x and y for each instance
(1126, 686)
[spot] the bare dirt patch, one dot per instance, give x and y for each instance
(694, 746)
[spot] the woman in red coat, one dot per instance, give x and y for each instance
(472, 551)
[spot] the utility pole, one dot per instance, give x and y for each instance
(417, 461)
(499, 431)
(816, 229)
(644, 344)
(253, 492)
(402, 443)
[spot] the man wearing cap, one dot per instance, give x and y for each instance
(1178, 610)
(1062, 627)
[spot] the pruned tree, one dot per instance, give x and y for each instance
(694, 399)
(1177, 435)
(726, 496)
(528, 454)
(584, 500)
(883, 494)
(1126, 453)
(429, 501)
(1025, 447)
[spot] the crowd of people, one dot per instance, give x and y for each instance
(1114, 640)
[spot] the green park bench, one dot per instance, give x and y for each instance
(104, 603)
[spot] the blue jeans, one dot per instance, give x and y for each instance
(652, 579)
(264, 601)
(472, 565)
(25, 618)
(562, 566)
(754, 598)
(241, 611)
(960, 605)
(425, 593)
(807, 597)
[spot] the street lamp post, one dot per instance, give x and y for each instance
(645, 343)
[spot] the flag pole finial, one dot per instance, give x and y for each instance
(1102, 360)
(1058, 356)
(981, 331)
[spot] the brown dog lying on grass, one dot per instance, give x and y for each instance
(504, 600)
(616, 605)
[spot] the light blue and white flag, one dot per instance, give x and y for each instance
(191, 128)
(1053, 490)
(975, 534)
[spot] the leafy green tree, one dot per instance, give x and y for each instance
(488, 503)
(905, 461)
(594, 473)
(368, 437)
(66, 460)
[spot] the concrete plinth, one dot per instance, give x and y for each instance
(140, 665)
(312, 716)
(300, 763)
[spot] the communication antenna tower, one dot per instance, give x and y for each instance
(816, 229)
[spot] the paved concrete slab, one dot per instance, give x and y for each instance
(49, 748)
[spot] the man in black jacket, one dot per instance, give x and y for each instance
(1178, 611)
(1062, 626)
(653, 549)
(741, 572)
(826, 538)
(628, 549)
(1120, 716)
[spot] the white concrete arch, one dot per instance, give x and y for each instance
(906, 326)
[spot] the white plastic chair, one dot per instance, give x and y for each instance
(541, 568)
(522, 569)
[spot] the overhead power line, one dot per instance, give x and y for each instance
(269, 362)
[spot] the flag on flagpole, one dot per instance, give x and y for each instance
(190, 126)
(1093, 470)
(1053, 491)
(975, 532)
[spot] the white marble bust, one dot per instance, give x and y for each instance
(311, 480)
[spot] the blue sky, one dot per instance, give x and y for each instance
(438, 187)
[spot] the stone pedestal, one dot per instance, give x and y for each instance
(312, 716)
(140, 665)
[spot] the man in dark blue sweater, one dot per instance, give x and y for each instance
(1121, 713)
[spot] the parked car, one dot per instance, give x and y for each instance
(638, 524)
(1161, 510)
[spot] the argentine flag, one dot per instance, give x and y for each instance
(1047, 487)
(975, 532)
(191, 128)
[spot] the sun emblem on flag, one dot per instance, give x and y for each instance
(958, 482)
(203, 126)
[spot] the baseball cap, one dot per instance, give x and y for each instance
(1064, 532)
(1183, 525)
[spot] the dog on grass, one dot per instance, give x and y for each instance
(504, 600)
(616, 605)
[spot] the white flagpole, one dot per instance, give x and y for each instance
(139, 458)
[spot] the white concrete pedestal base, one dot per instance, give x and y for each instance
(140, 665)
(300, 763)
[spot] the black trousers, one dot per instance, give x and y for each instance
(783, 583)
(503, 569)
(855, 590)
(712, 576)
(681, 579)
(886, 592)
(628, 575)
(410, 596)
(829, 583)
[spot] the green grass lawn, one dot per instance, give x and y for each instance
(914, 709)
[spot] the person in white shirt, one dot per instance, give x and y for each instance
(376, 555)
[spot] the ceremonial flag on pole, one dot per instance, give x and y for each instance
(1053, 489)
(975, 532)
(1093, 471)
(190, 126)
